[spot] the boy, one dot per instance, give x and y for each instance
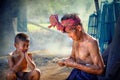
(19, 60)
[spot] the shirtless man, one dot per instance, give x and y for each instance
(85, 56)
(19, 60)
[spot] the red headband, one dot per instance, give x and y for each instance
(65, 24)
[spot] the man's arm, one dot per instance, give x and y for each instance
(96, 57)
(97, 67)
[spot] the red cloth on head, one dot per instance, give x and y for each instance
(65, 24)
(69, 24)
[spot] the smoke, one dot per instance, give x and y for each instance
(40, 12)
(53, 42)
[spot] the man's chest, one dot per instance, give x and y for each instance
(81, 51)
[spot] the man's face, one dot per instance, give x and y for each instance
(72, 34)
(22, 46)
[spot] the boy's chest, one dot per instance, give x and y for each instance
(17, 60)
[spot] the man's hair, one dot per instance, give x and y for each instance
(21, 37)
(73, 16)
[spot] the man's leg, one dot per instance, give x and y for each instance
(80, 75)
(72, 75)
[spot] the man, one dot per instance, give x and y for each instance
(19, 61)
(85, 56)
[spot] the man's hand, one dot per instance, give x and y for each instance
(69, 63)
(66, 62)
(61, 63)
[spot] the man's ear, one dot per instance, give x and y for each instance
(79, 28)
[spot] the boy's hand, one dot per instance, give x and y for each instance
(30, 62)
(21, 62)
(27, 57)
(18, 53)
(21, 53)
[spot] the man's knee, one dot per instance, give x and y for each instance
(10, 75)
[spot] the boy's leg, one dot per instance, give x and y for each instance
(34, 75)
(10, 75)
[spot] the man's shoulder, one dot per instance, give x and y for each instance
(92, 43)
(92, 39)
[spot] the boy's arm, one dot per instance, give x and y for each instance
(30, 61)
(15, 67)
(10, 61)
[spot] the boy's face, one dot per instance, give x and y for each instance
(22, 46)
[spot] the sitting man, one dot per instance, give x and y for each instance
(19, 61)
(85, 56)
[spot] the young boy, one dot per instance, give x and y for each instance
(19, 61)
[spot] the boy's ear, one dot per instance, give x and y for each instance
(79, 28)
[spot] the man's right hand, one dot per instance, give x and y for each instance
(61, 63)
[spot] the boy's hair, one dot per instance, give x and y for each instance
(21, 37)
(72, 16)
